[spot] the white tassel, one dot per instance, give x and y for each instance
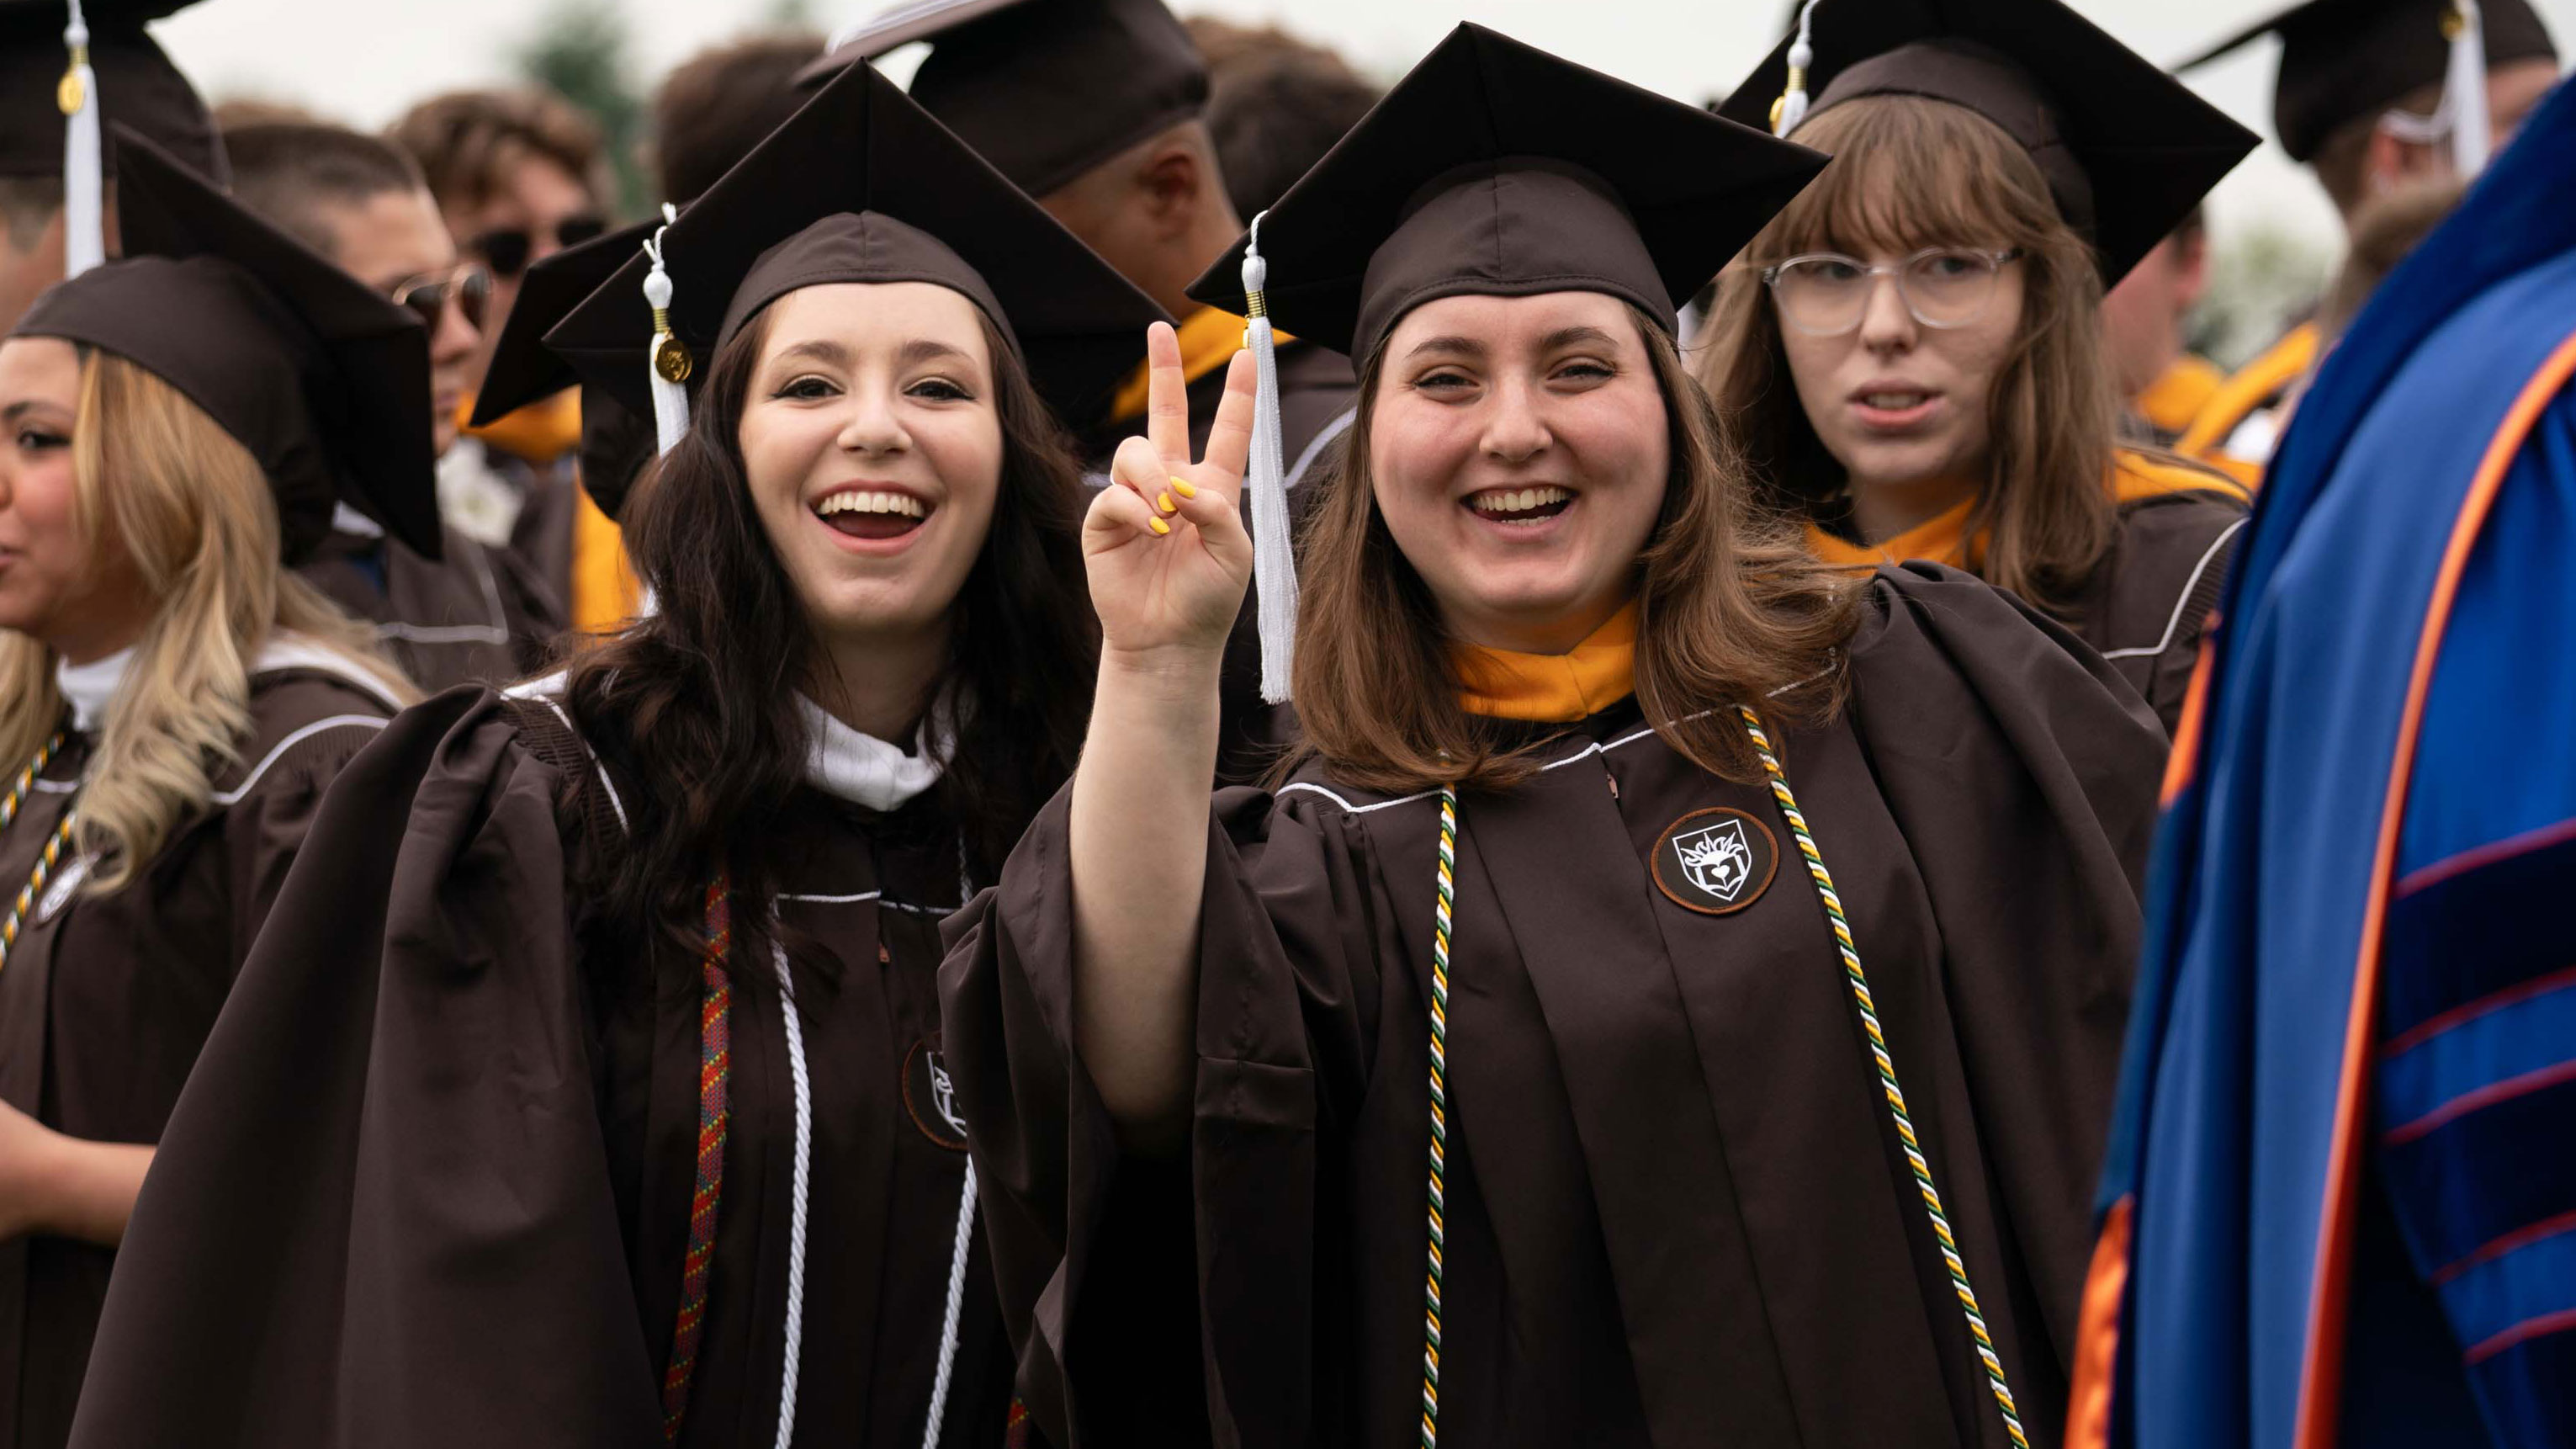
(1274, 563)
(84, 155)
(1791, 108)
(666, 360)
(2464, 89)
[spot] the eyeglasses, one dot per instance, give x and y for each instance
(1825, 294)
(469, 287)
(509, 249)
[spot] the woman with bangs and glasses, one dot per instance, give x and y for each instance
(1671, 996)
(1910, 353)
(587, 1088)
(174, 700)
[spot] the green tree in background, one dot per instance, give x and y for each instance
(580, 50)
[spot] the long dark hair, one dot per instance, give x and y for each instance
(697, 704)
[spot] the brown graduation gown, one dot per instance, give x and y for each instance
(2148, 603)
(1676, 1211)
(105, 1001)
(431, 1184)
(480, 615)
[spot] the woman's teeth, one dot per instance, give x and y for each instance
(1506, 502)
(903, 504)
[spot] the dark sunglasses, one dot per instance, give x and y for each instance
(469, 287)
(508, 249)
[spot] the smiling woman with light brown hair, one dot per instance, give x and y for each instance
(1910, 352)
(1630, 860)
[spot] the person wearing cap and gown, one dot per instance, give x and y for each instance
(478, 613)
(129, 82)
(2338, 1207)
(174, 701)
(2000, 163)
(587, 1088)
(2373, 94)
(1632, 860)
(1095, 107)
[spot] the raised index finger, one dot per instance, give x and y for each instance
(1167, 397)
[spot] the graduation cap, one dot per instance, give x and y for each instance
(1044, 89)
(524, 370)
(2126, 149)
(1495, 169)
(860, 185)
(2349, 60)
(322, 380)
(69, 66)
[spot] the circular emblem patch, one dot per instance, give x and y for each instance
(931, 1097)
(1715, 862)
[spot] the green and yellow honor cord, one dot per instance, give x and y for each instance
(1862, 1001)
(1858, 980)
(46, 859)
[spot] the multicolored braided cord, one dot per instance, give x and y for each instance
(46, 859)
(1894, 1095)
(715, 1073)
(1438, 1199)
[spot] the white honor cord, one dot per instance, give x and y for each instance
(794, 1335)
(956, 1306)
(1274, 562)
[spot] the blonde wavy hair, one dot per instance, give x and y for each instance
(154, 476)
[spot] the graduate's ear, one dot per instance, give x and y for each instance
(2391, 161)
(1170, 179)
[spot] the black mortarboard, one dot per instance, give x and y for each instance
(2127, 150)
(325, 382)
(1496, 168)
(2346, 60)
(861, 185)
(523, 369)
(137, 86)
(1045, 89)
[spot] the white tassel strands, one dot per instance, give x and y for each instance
(1274, 563)
(667, 362)
(84, 156)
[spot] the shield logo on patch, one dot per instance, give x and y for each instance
(1716, 861)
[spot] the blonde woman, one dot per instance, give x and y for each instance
(1911, 351)
(173, 702)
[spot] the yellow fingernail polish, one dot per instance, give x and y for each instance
(1183, 488)
(1166, 504)
(1159, 525)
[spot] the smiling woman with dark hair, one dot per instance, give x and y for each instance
(599, 1051)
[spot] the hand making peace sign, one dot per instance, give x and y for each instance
(1165, 543)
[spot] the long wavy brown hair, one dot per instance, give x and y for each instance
(1730, 610)
(698, 702)
(1908, 173)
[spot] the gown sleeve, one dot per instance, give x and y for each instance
(2024, 773)
(382, 1212)
(1119, 1302)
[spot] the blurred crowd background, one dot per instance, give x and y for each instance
(1305, 67)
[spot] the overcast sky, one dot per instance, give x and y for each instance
(363, 61)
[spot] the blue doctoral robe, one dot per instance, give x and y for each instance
(2339, 1207)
